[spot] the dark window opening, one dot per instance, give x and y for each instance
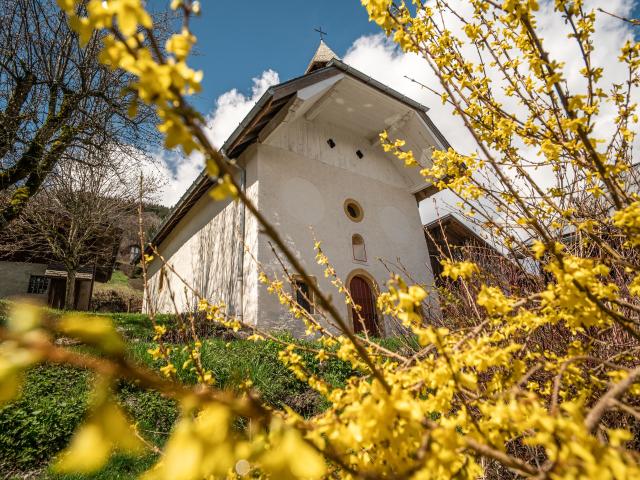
(134, 251)
(331, 143)
(303, 295)
(353, 210)
(359, 252)
(38, 284)
(359, 154)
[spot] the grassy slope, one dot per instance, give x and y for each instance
(39, 424)
(118, 283)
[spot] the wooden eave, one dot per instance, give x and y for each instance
(450, 226)
(250, 133)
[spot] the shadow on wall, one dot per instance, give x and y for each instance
(215, 259)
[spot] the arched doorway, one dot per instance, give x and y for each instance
(362, 295)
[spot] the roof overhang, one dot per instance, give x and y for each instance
(450, 225)
(276, 97)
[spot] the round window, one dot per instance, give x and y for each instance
(353, 210)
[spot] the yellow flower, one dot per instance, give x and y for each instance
(494, 301)
(180, 44)
(160, 330)
(168, 370)
(455, 270)
(224, 189)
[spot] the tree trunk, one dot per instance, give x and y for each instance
(71, 290)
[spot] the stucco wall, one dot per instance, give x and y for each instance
(14, 279)
(298, 182)
(304, 183)
(204, 249)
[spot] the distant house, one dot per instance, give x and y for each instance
(451, 238)
(46, 281)
(129, 250)
(33, 272)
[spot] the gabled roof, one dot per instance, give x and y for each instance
(320, 59)
(277, 96)
(454, 231)
(267, 107)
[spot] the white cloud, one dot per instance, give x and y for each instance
(231, 108)
(381, 59)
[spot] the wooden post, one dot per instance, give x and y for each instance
(93, 279)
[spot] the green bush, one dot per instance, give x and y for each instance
(34, 428)
(154, 414)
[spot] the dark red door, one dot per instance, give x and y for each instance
(363, 296)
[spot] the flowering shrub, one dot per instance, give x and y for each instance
(489, 399)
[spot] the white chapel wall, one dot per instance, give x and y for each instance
(303, 182)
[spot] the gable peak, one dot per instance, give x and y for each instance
(320, 59)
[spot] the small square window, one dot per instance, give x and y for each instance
(303, 295)
(38, 284)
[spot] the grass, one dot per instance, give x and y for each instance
(118, 278)
(34, 428)
(119, 468)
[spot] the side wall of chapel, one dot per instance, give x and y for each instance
(203, 254)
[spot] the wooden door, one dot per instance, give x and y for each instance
(368, 316)
(57, 289)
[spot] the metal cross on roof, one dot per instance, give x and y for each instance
(322, 34)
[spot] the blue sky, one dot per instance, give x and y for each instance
(238, 40)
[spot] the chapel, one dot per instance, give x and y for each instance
(308, 155)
